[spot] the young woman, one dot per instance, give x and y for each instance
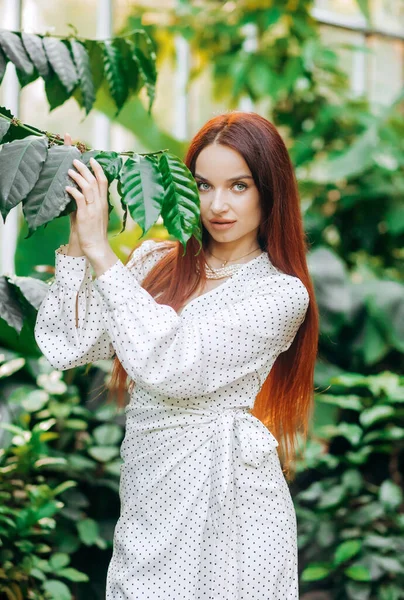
(206, 512)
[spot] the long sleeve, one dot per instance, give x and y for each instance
(187, 357)
(65, 345)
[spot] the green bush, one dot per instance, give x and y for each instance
(349, 493)
(59, 470)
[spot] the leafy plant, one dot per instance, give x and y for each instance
(351, 512)
(57, 454)
(77, 67)
(34, 167)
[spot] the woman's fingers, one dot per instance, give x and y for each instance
(77, 195)
(68, 139)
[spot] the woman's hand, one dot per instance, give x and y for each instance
(91, 217)
(74, 245)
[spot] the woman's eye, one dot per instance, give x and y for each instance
(242, 188)
(199, 183)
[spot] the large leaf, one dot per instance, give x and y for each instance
(14, 50)
(140, 185)
(114, 73)
(3, 64)
(82, 62)
(21, 162)
(34, 290)
(10, 310)
(95, 54)
(181, 206)
(49, 197)
(144, 55)
(35, 50)
(111, 162)
(61, 61)
(4, 127)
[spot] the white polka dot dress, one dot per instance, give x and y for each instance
(206, 513)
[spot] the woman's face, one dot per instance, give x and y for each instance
(227, 191)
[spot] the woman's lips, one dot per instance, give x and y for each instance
(221, 226)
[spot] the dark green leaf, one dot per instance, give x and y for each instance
(11, 311)
(3, 64)
(82, 62)
(111, 163)
(4, 127)
(61, 62)
(14, 50)
(140, 185)
(33, 290)
(35, 50)
(49, 197)
(88, 531)
(114, 73)
(57, 590)
(21, 162)
(181, 206)
(347, 550)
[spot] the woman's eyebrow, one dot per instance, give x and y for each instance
(230, 179)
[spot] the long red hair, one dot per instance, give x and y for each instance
(286, 399)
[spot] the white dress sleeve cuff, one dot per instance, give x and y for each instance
(72, 272)
(117, 285)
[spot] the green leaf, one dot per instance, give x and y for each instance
(58, 560)
(62, 487)
(141, 189)
(4, 127)
(111, 163)
(181, 206)
(114, 73)
(88, 531)
(350, 163)
(375, 413)
(49, 461)
(10, 367)
(390, 495)
(103, 453)
(10, 309)
(3, 64)
(108, 434)
(358, 573)
(33, 290)
(57, 590)
(36, 52)
(73, 575)
(95, 53)
(14, 50)
(346, 550)
(315, 573)
(143, 54)
(332, 497)
(49, 197)
(21, 162)
(61, 61)
(82, 62)
(35, 400)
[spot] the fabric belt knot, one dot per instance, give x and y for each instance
(255, 441)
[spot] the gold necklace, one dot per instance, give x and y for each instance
(225, 271)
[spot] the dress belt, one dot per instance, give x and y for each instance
(255, 441)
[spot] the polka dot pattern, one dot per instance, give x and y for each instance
(206, 513)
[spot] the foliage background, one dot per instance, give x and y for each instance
(337, 97)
